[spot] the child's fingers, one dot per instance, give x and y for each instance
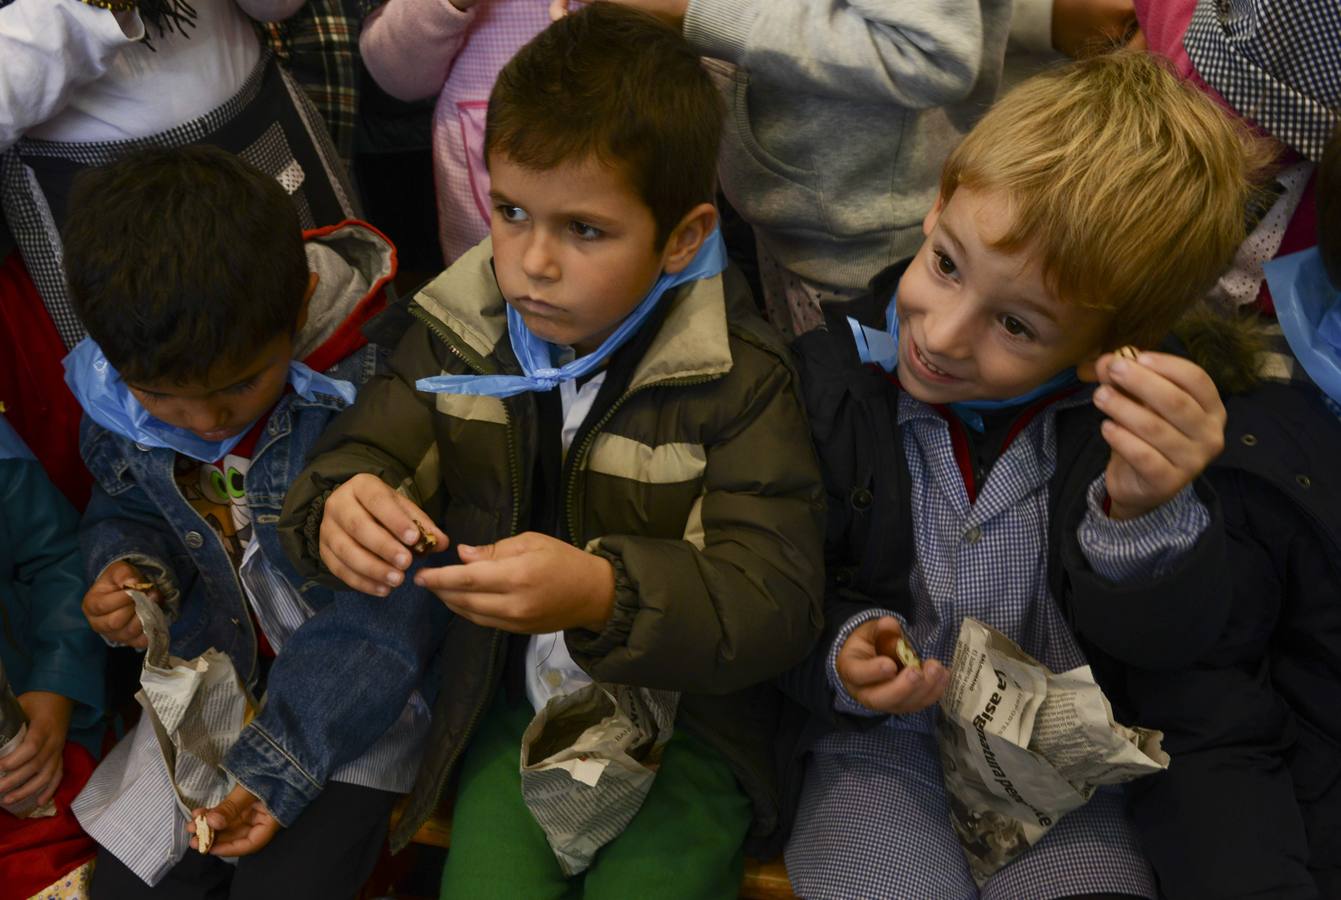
(557, 9)
(355, 566)
(104, 603)
(1151, 466)
(911, 691)
(861, 673)
(887, 635)
(484, 577)
(1190, 407)
(1142, 422)
(19, 782)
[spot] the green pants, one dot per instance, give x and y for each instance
(686, 841)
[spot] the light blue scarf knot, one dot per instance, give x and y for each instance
(536, 355)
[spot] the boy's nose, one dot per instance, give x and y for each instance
(538, 260)
(947, 332)
(206, 417)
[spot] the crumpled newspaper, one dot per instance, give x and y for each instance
(587, 762)
(1022, 746)
(138, 800)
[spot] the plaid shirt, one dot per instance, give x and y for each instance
(1277, 62)
(319, 46)
(874, 820)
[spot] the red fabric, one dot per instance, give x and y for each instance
(32, 383)
(349, 336)
(35, 853)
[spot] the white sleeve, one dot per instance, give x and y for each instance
(48, 49)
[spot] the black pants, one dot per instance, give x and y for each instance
(328, 853)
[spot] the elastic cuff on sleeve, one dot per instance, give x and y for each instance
(157, 571)
(262, 767)
(616, 632)
(1145, 546)
(720, 28)
(843, 702)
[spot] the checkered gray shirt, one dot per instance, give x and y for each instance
(1278, 62)
(874, 820)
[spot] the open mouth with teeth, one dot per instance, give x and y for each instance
(930, 367)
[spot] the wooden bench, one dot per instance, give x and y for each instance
(762, 881)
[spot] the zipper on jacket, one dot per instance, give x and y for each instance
(575, 460)
(476, 363)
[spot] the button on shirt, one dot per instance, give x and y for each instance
(550, 669)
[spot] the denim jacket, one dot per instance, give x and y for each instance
(342, 683)
(348, 671)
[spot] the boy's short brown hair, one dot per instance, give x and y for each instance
(616, 84)
(1131, 186)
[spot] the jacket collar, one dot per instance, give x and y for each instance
(693, 341)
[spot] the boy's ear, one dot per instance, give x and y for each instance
(307, 300)
(1087, 369)
(687, 237)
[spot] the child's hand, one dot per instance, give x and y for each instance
(111, 611)
(867, 667)
(367, 530)
(528, 584)
(1165, 424)
(242, 825)
(34, 769)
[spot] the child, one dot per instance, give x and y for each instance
(54, 664)
(195, 282)
(1251, 806)
(452, 50)
(652, 522)
(966, 477)
(839, 117)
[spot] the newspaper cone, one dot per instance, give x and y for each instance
(140, 797)
(1022, 746)
(587, 762)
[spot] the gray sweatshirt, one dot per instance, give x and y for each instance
(840, 114)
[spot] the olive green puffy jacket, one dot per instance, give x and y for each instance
(699, 484)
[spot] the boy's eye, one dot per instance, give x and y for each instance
(584, 231)
(944, 264)
(1015, 328)
(242, 388)
(511, 213)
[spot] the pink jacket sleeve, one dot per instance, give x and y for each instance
(408, 45)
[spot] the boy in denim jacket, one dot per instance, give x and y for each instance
(211, 321)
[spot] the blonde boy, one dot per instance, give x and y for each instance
(967, 476)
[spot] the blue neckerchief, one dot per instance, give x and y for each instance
(882, 349)
(108, 401)
(11, 445)
(537, 356)
(1308, 308)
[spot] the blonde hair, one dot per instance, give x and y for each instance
(1130, 186)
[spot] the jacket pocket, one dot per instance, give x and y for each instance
(108, 465)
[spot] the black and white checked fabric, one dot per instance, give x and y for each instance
(874, 819)
(1277, 62)
(319, 189)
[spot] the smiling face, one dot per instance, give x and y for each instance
(976, 323)
(228, 400)
(574, 248)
